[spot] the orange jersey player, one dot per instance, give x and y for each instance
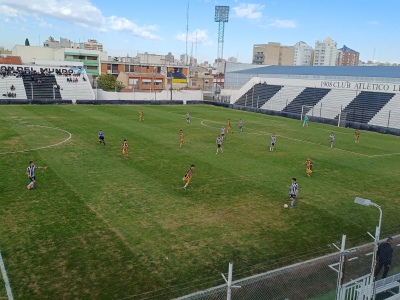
(181, 138)
(125, 149)
(188, 176)
(229, 127)
(309, 166)
(141, 117)
(356, 136)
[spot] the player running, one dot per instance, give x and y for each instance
(181, 138)
(30, 171)
(188, 118)
(331, 139)
(229, 127)
(309, 166)
(188, 176)
(272, 142)
(141, 117)
(223, 130)
(294, 191)
(125, 149)
(240, 125)
(357, 136)
(101, 137)
(218, 141)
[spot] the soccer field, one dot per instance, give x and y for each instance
(98, 226)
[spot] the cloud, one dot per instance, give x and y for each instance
(277, 23)
(44, 24)
(199, 35)
(124, 25)
(248, 11)
(373, 22)
(80, 12)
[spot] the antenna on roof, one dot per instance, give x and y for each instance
(191, 55)
(196, 45)
(187, 31)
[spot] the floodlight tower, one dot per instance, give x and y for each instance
(221, 16)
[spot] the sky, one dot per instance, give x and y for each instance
(159, 26)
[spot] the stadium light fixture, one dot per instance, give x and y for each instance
(367, 202)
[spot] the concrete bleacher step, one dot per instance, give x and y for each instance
(390, 113)
(366, 105)
(40, 90)
(258, 95)
(330, 105)
(308, 97)
(283, 97)
(387, 284)
(81, 90)
(7, 82)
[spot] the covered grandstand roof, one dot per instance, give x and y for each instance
(373, 71)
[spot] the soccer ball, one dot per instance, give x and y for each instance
(285, 205)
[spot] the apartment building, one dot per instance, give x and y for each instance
(273, 53)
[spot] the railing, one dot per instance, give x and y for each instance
(359, 289)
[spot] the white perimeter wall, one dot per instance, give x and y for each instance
(163, 95)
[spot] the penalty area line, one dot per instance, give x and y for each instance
(5, 278)
(44, 147)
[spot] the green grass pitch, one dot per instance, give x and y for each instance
(98, 226)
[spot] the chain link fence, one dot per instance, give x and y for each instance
(314, 279)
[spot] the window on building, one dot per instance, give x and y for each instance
(114, 68)
(91, 67)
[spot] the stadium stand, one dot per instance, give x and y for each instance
(258, 95)
(388, 115)
(77, 90)
(309, 97)
(332, 103)
(366, 95)
(282, 98)
(7, 82)
(365, 106)
(41, 86)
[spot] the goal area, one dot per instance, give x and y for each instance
(315, 113)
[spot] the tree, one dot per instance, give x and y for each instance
(27, 42)
(119, 86)
(109, 83)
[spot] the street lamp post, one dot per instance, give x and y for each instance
(367, 202)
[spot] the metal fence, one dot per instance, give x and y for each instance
(314, 279)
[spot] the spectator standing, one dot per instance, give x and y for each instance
(385, 252)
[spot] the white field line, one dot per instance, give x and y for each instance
(302, 141)
(44, 147)
(5, 278)
(298, 140)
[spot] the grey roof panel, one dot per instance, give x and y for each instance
(374, 71)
